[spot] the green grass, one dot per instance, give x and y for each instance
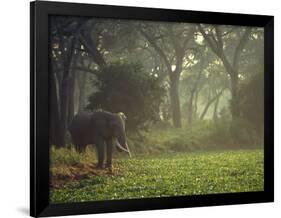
(173, 174)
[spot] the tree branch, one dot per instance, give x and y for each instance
(210, 102)
(157, 49)
(217, 50)
(219, 38)
(209, 41)
(239, 48)
(93, 51)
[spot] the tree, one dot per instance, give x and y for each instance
(71, 39)
(215, 37)
(171, 42)
(193, 79)
(64, 39)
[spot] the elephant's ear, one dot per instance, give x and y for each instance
(122, 115)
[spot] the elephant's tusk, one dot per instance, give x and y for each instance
(123, 149)
(128, 150)
(119, 146)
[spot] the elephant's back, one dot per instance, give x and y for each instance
(86, 126)
(80, 126)
(79, 120)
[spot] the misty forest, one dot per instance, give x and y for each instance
(189, 98)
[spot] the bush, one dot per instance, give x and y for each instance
(237, 133)
(243, 133)
(127, 88)
(203, 136)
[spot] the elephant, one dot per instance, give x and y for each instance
(99, 128)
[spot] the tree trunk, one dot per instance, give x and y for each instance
(190, 109)
(65, 95)
(215, 114)
(190, 105)
(195, 104)
(235, 98)
(64, 111)
(71, 91)
(82, 84)
(209, 104)
(175, 101)
(71, 88)
(54, 131)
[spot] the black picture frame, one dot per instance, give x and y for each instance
(39, 138)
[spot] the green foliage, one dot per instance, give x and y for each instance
(237, 133)
(243, 132)
(170, 175)
(176, 140)
(203, 136)
(126, 87)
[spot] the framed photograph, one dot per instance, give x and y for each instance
(142, 109)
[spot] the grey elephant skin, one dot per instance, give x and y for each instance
(99, 128)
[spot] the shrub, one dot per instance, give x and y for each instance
(243, 132)
(126, 87)
(237, 133)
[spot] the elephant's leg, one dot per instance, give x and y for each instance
(83, 148)
(78, 148)
(109, 153)
(100, 147)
